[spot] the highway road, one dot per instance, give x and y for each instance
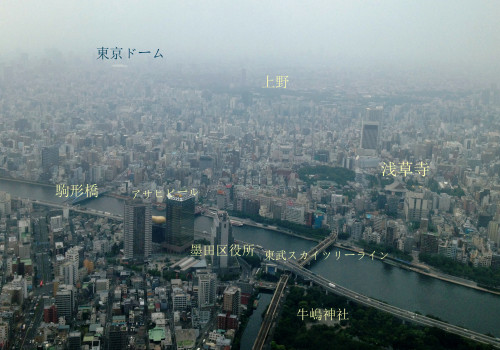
(400, 313)
(32, 323)
(79, 210)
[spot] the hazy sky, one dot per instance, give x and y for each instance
(444, 31)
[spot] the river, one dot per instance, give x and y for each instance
(409, 290)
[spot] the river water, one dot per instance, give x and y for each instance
(409, 290)
(253, 325)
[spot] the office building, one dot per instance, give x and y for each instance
(227, 321)
(369, 135)
(416, 207)
(179, 234)
(448, 249)
(69, 271)
(179, 299)
(117, 337)
(65, 301)
(50, 157)
(137, 230)
(5, 204)
(232, 300)
(74, 341)
(392, 205)
(158, 230)
(73, 256)
(206, 162)
(4, 332)
(207, 288)
(50, 314)
(494, 232)
(375, 114)
(222, 199)
(357, 230)
(295, 214)
(223, 238)
(429, 243)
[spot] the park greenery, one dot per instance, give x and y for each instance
(485, 276)
(412, 184)
(268, 277)
(350, 194)
(456, 191)
(229, 277)
(372, 179)
(364, 328)
(343, 235)
(312, 174)
(386, 180)
(252, 260)
(171, 274)
(154, 273)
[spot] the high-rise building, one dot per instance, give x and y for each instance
(69, 271)
(232, 300)
(137, 229)
(179, 234)
(4, 332)
(5, 204)
(429, 243)
(295, 214)
(494, 231)
(50, 314)
(448, 249)
(50, 157)
(392, 205)
(391, 233)
(206, 162)
(223, 238)
(227, 321)
(73, 256)
(207, 288)
(357, 230)
(117, 337)
(369, 135)
(416, 207)
(179, 299)
(221, 199)
(74, 341)
(65, 301)
(374, 114)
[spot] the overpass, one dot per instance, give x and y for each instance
(265, 285)
(328, 241)
(279, 288)
(76, 209)
(393, 310)
(27, 182)
(270, 316)
(299, 270)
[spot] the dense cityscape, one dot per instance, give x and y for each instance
(162, 204)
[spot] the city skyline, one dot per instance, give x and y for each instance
(232, 175)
